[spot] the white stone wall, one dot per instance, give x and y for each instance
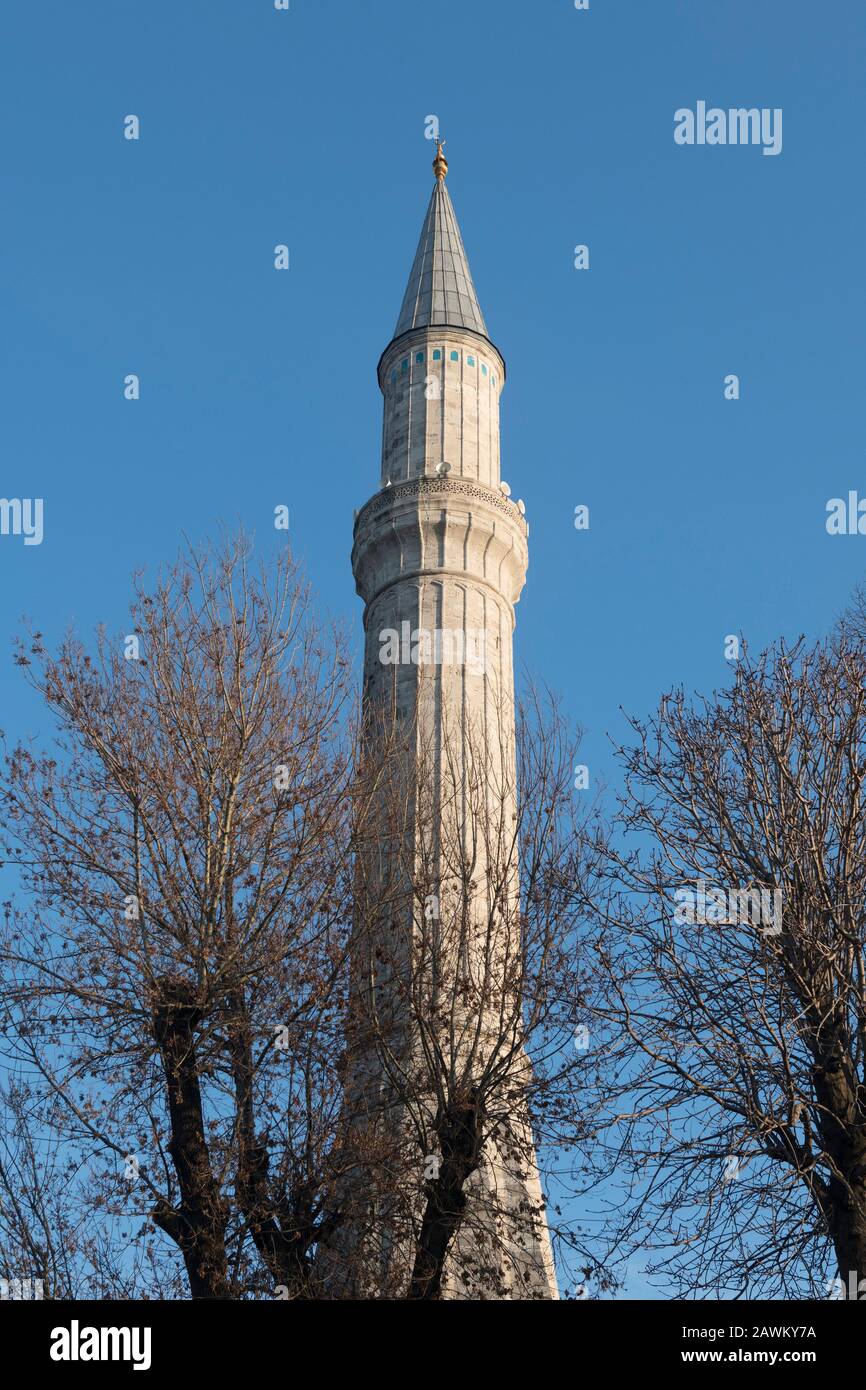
(449, 551)
(441, 410)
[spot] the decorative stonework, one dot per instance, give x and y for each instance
(432, 487)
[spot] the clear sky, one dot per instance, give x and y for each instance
(258, 387)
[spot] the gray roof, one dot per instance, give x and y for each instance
(440, 288)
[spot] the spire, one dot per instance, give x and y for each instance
(440, 163)
(440, 289)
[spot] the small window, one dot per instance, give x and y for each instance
(394, 376)
(419, 357)
(404, 365)
(455, 357)
(493, 379)
(483, 369)
(471, 361)
(437, 355)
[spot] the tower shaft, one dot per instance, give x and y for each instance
(440, 558)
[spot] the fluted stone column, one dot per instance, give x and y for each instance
(442, 549)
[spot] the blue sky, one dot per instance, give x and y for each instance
(258, 387)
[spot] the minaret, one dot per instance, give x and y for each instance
(440, 558)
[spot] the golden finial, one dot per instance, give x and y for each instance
(440, 163)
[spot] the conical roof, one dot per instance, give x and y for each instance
(440, 288)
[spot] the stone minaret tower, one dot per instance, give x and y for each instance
(440, 558)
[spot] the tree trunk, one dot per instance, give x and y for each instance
(460, 1135)
(282, 1225)
(198, 1224)
(843, 1128)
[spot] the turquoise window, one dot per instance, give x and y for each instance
(437, 355)
(419, 357)
(393, 376)
(483, 369)
(455, 357)
(471, 361)
(404, 365)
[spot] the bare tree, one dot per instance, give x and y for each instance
(734, 998)
(468, 996)
(179, 1005)
(59, 1235)
(171, 990)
